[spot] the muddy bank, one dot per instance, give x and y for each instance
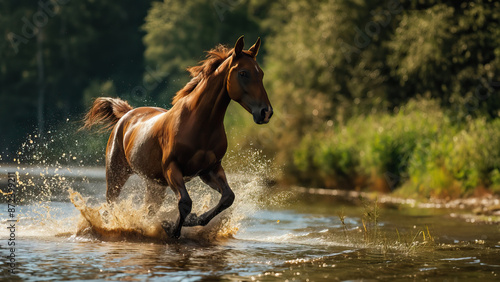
(484, 209)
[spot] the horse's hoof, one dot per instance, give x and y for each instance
(191, 220)
(168, 227)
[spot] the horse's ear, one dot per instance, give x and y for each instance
(238, 47)
(254, 50)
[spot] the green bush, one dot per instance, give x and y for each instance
(459, 162)
(418, 149)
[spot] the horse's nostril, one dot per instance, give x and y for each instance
(263, 112)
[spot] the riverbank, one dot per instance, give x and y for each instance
(485, 209)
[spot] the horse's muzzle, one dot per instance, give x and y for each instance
(263, 115)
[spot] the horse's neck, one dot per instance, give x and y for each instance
(210, 101)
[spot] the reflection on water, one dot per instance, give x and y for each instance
(275, 236)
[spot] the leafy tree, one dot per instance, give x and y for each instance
(451, 52)
(325, 64)
(177, 33)
(18, 75)
(329, 61)
(55, 50)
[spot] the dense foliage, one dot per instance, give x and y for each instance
(367, 93)
(420, 149)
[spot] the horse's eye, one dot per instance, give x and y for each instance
(243, 74)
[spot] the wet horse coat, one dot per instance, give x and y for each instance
(165, 147)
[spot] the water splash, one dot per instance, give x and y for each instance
(49, 173)
(115, 222)
(128, 218)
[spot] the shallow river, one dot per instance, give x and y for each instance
(269, 234)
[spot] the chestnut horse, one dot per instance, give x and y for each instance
(169, 147)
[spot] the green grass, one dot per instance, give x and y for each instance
(370, 234)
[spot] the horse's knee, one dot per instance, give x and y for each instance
(185, 206)
(227, 199)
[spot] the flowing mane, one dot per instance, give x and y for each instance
(204, 69)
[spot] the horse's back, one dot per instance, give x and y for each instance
(140, 120)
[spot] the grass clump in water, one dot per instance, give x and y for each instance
(371, 235)
(410, 242)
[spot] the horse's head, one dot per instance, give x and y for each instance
(244, 82)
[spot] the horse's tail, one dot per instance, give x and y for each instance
(106, 112)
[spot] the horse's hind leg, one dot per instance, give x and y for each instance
(117, 173)
(174, 178)
(155, 196)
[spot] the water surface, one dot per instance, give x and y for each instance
(270, 234)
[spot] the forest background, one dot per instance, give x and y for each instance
(390, 95)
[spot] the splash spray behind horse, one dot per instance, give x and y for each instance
(168, 147)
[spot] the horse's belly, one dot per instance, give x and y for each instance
(147, 165)
(199, 162)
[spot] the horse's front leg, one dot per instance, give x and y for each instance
(176, 182)
(216, 179)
